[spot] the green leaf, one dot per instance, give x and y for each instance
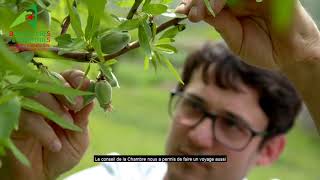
(64, 40)
(146, 2)
(166, 48)
(93, 23)
(172, 32)
(9, 117)
(110, 21)
(34, 106)
(125, 3)
(207, 3)
(76, 44)
(155, 9)
(106, 70)
(97, 47)
(5, 98)
(87, 99)
(165, 41)
(82, 80)
(26, 55)
(41, 4)
(96, 7)
(170, 67)
(146, 62)
(129, 25)
(158, 58)
(111, 62)
(154, 30)
(17, 153)
(56, 20)
(144, 34)
(10, 61)
(27, 92)
(114, 82)
(51, 88)
(75, 19)
(166, 1)
(154, 62)
(58, 80)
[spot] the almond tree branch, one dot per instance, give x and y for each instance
(86, 56)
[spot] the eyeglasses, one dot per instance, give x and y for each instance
(228, 130)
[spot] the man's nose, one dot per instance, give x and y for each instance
(202, 136)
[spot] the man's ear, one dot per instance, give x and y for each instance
(271, 150)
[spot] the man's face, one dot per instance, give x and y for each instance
(200, 139)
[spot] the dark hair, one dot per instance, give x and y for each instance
(277, 97)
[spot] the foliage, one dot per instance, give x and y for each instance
(99, 38)
(96, 31)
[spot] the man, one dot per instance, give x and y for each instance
(294, 54)
(226, 107)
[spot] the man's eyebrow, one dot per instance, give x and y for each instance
(197, 98)
(237, 117)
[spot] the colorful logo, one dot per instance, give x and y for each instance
(36, 38)
(30, 16)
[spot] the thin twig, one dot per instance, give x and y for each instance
(67, 21)
(169, 23)
(134, 8)
(65, 25)
(36, 63)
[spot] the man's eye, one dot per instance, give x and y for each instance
(230, 122)
(192, 105)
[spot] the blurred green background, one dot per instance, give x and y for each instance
(139, 122)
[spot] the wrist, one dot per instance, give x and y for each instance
(307, 35)
(300, 44)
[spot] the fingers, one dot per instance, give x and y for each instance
(76, 106)
(50, 102)
(196, 10)
(80, 141)
(35, 125)
(217, 6)
(81, 118)
(229, 28)
(184, 7)
(75, 77)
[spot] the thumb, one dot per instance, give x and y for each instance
(81, 118)
(229, 28)
(80, 140)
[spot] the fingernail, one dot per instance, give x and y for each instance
(180, 8)
(77, 81)
(55, 146)
(79, 103)
(67, 117)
